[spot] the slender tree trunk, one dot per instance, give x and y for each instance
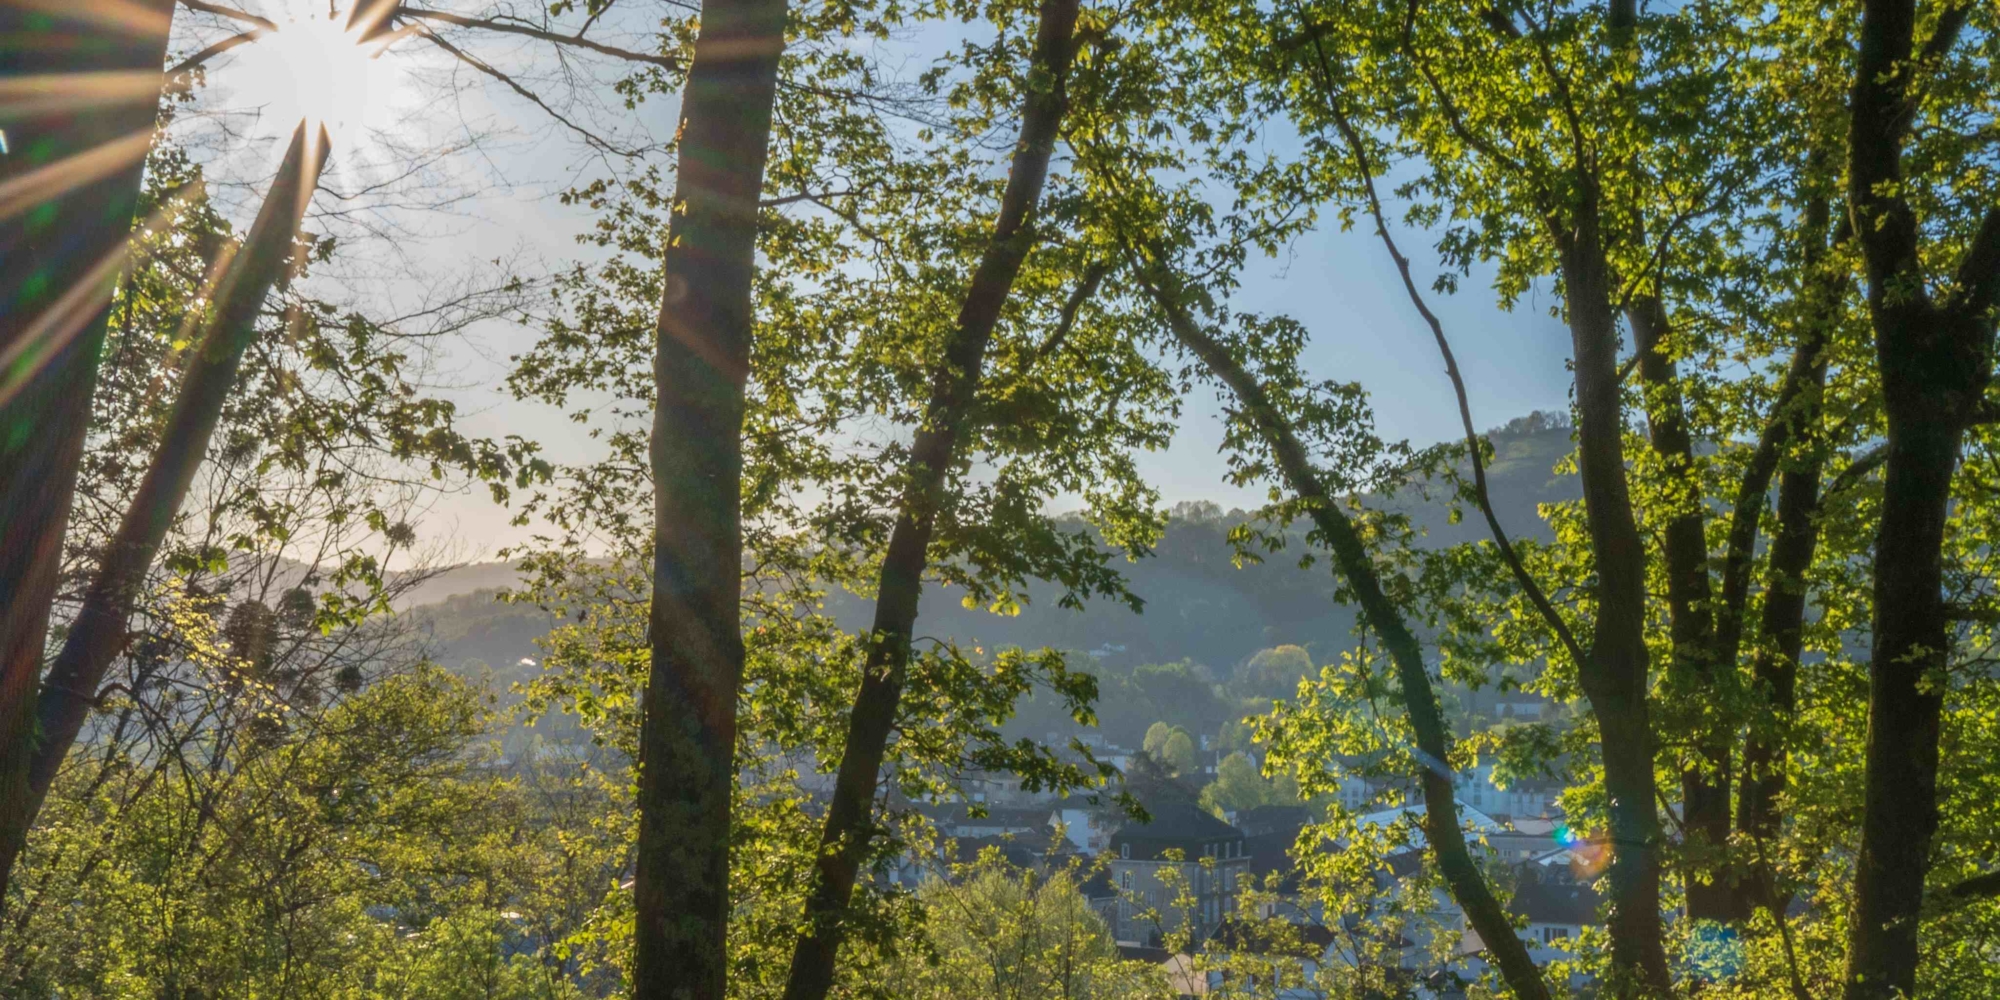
(67, 190)
(1614, 677)
(98, 634)
(850, 815)
(1536, 595)
(1691, 623)
(1935, 359)
(1774, 671)
(1441, 822)
(1794, 425)
(687, 738)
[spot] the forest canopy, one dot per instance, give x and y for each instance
(877, 532)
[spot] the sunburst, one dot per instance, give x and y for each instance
(323, 66)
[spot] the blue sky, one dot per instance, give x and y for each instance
(1344, 288)
(1341, 285)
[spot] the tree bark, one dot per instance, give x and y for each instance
(1774, 671)
(96, 637)
(1697, 668)
(934, 451)
(1441, 822)
(1935, 360)
(1614, 676)
(687, 738)
(1795, 421)
(67, 191)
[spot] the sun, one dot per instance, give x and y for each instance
(320, 66)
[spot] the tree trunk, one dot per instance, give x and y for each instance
(1775, 668)
(1795, 422)
(1441, 823)
(1905, 692)
(96, 637)
(850, 815)
(1691, 624)
(687, 738)
(1935, 361)
(67, 192)
(1614, 676)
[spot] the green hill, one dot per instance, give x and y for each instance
(1200, 607)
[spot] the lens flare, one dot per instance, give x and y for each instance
(322, 68)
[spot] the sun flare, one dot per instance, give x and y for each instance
(320, 67)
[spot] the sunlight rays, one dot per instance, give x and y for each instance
(44, 185)
(322, 67)
(69, 315)
(55, 93)
(63, 319)
(124, 15)
(314, 74)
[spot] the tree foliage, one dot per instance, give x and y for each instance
(1763, 629)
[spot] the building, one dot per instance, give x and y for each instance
(1556, 912)
(1086, 829)
(952, 856)
(1264, 963)
(1474, 821)
(1514, 846)
(974, 819)
(1182, 849)
(1475, 787)
(1261, 820)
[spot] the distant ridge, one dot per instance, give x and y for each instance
(1199, 606)
(460, 580)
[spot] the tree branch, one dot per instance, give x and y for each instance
(1984, 886)
(1365, 167)
(175, 76)
(1807, 371)
(1857, 470)
(1950, 24)
(1979, 270)
(476, 63)
(1579, 145)
(230, 13)
(1093, 275)
(1294, 467)
(488, 24)
(1445, 103)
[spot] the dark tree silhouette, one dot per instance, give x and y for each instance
(68, 184)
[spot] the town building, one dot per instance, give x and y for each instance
(1182, 849)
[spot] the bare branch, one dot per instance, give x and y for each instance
(592, 138)
(181, 69)
(230, 13)
(489, 24)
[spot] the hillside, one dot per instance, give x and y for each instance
(1199, 606)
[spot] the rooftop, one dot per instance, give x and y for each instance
(1555, 903)
(1182, 825)
(1286, 820)
(950, 816)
